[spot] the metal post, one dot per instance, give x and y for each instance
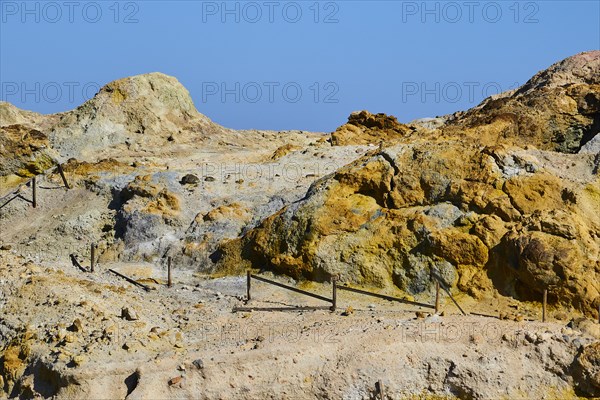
(169, 278)
(544, 305)
(62, 175)
(437, 296)
(92, 256)
(33, 186)
(248, 284)
(334, 295)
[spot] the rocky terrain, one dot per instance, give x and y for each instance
(500, 203)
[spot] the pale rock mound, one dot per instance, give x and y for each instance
(143, 110)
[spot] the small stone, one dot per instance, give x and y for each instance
(519, 317)
(189, 179)
(420, 314)
(5, 247)
(129, 314)
(76, 326)
(567, 330)
(543, 337)
(198, 363)
(181, 367)
(63, 357)
(531, 337)
(209, 179)
(348, 311)
(175, 381)
(78, 360)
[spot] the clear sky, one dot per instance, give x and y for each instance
(289, 64)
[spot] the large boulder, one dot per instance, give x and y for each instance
(148, 218)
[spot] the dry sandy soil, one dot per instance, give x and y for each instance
(74, 340)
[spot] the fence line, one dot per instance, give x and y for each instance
(128, 279)
(291, 288)
(32, 183)
(333, 300)
(385, 297)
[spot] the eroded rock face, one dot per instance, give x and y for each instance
(446, 208)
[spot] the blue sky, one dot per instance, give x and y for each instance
(289, 64)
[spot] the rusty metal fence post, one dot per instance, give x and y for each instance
(34, 189)
(92, 256)
(334, 294)
(544, 304)
(62, 175)
(248, 284)
(169, 277)
(437, 296)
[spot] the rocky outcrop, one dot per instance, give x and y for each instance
(587, 370)
(24, 153)
(480, 200)
(416, 210)
(147, 218)
(558, 109)
(366, 128)
(473, 201)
